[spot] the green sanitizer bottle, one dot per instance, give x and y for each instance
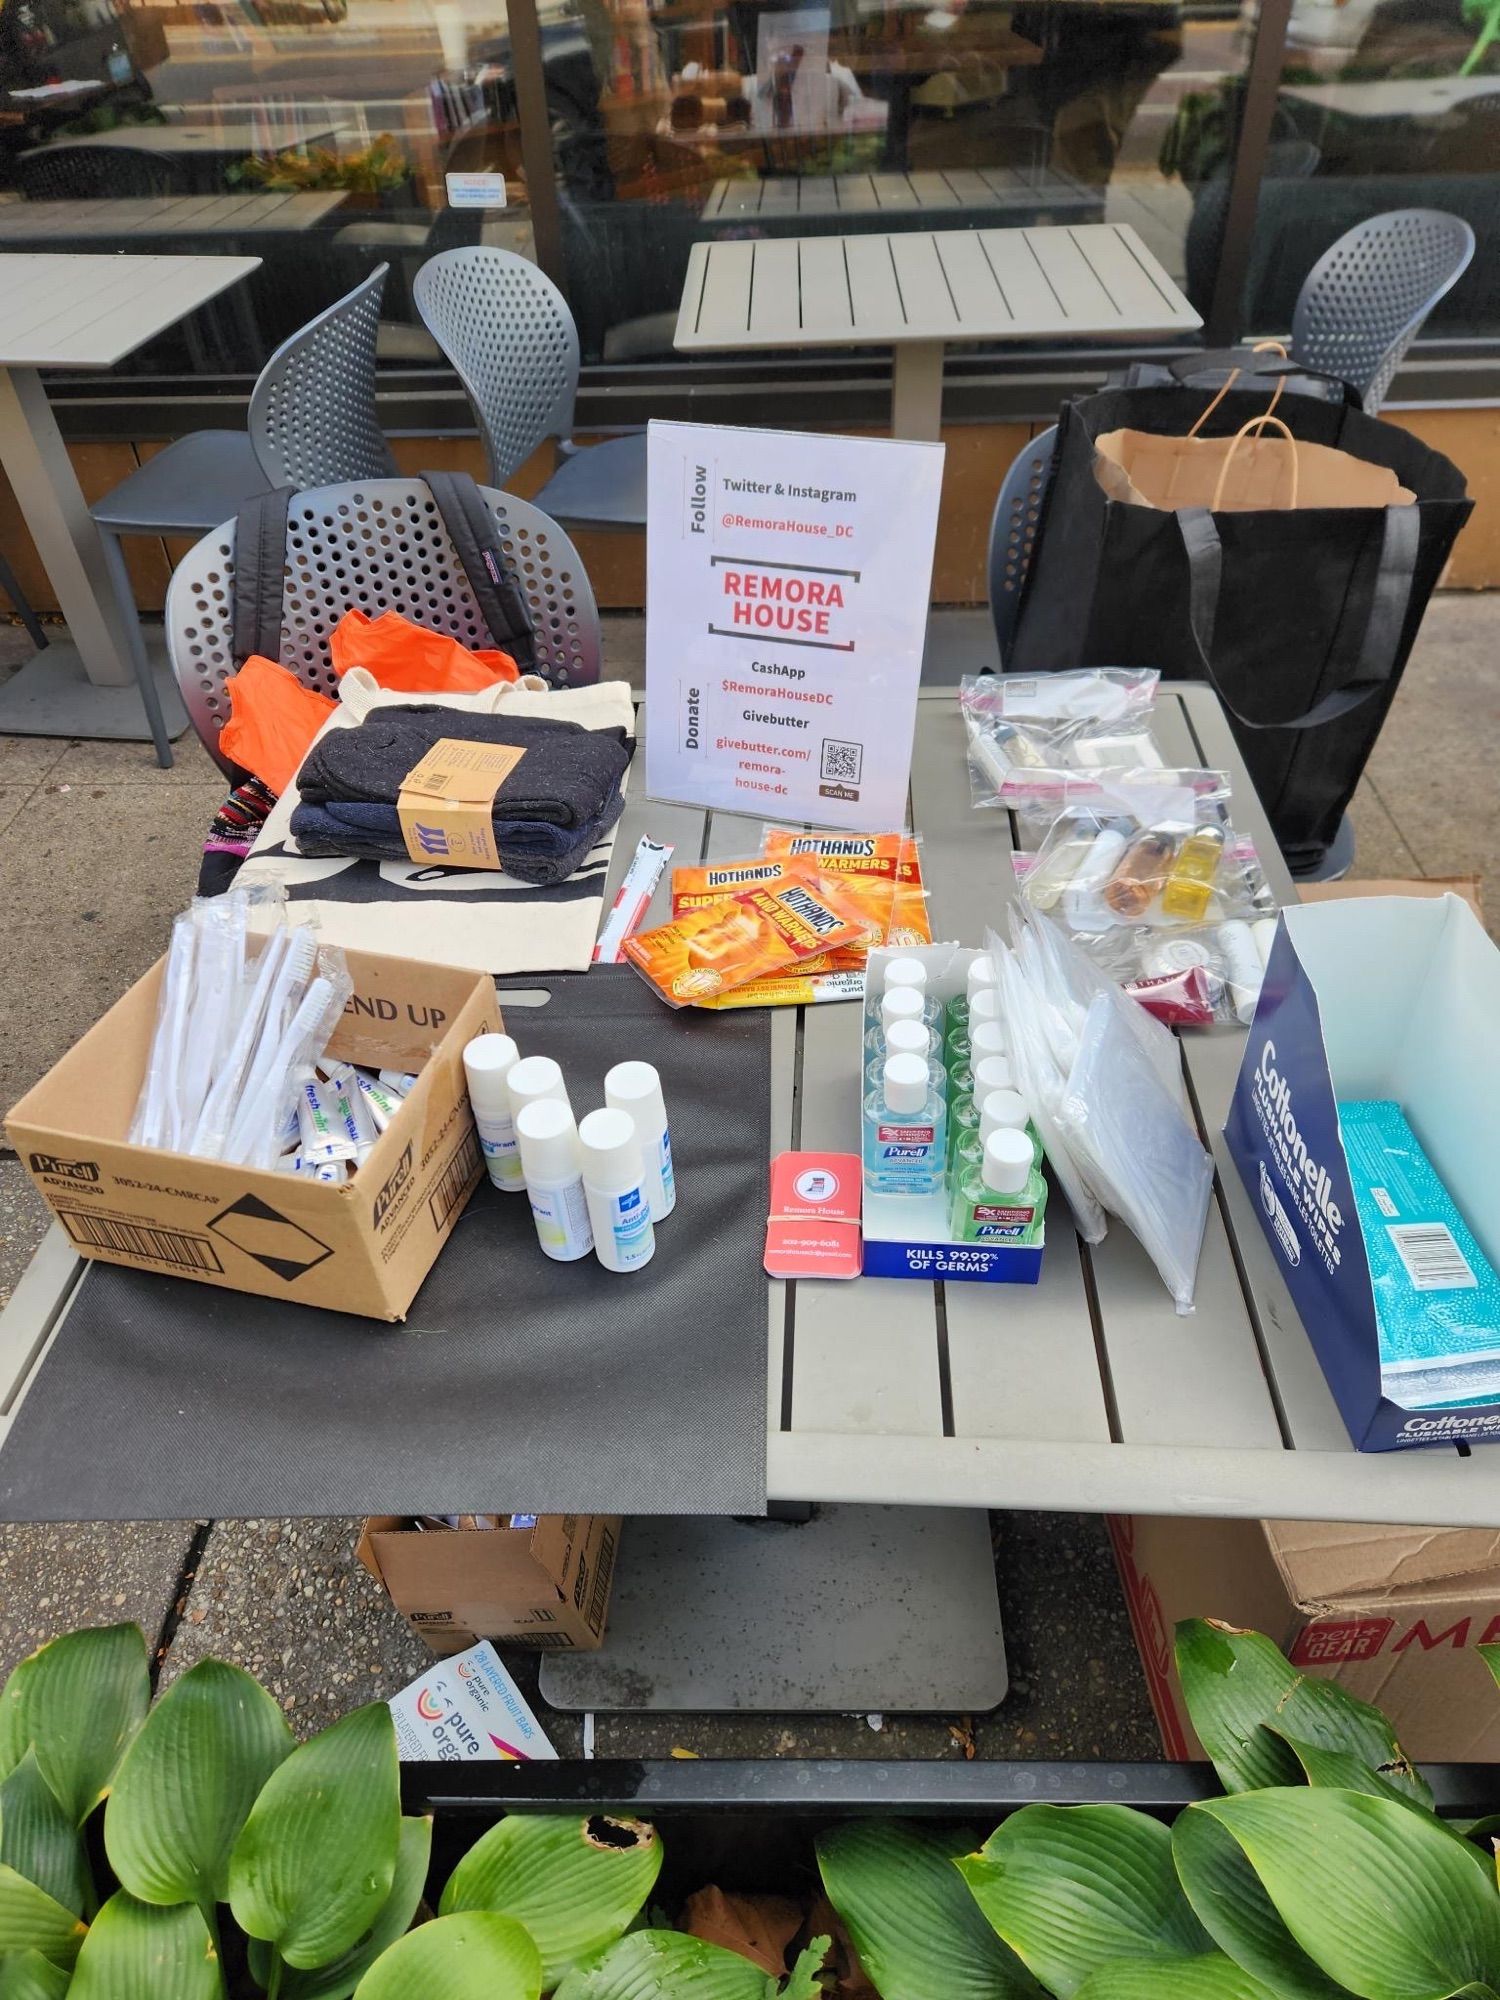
(1005, 1200)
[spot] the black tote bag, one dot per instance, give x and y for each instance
(1302, 621)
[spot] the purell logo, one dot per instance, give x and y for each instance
(392, 1188)
(68, 1170)
(1275, 1096)
(1280, 1221)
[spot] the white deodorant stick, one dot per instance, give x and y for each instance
(635, 1087)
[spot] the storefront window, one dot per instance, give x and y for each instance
(314, 134)
(1383, 104)
(708, 118)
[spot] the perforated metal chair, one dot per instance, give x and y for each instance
(312, 420)
(1013, 532)
(510, 337)
(378, 544)
(1363, 303)
(90, 173)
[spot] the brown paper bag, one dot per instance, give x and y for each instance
(1239, 473)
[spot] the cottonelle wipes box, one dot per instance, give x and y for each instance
(1386, 997)
(363, 1247)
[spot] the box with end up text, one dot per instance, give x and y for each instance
(1387, 1001)
(361, 1247)
(545, 1585)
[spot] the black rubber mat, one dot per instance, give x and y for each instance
(515, 1383)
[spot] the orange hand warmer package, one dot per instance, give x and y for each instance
(773, 926)
(883, 873)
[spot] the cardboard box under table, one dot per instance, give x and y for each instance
(1390, 998)
(1392, 1614)
(546, 1585)
(361, 1247)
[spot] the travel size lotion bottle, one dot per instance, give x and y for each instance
(635, 1088)
(553, 1164)
(614, 1185)
(905, 1130)
(488, 1061)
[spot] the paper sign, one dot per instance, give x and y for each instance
(476, 190)
(786, 611)
(446, 802)
(467, 1709)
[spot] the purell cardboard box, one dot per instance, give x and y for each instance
(361, 1247)
(908, 1236)
(1391, 1001)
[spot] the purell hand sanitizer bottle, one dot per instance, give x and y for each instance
(905, 1130)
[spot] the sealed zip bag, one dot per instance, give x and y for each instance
(1029, 734)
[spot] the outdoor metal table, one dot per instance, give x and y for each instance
(916, 291)
(907, 1408)
(76, 311)
(49, 223)
(956, 193)
(1393, 97)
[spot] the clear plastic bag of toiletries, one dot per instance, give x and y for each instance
(1149, 877)
(246, 1001)
(1140, 1152)
(1029, 734)
(1042, 1040)
(1072, 982)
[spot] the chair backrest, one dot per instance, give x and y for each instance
(312, 417)
(377, 544)
(510, 337)
(1013, 532)
(1363, 303)
(88, 173)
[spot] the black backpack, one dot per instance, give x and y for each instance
(260, 569)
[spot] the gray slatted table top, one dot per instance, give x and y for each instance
(1097, 279)
(1394, 97)
(167, 215)
(242, 135)
(68, 309)
(953, 189)
(1085, 1392)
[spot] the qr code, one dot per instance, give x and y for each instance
(842, 761)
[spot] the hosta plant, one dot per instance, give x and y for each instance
(193, 1851)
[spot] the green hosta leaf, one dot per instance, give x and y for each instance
(135, 1952)
(315, 1861)
(1342, 1771)
(917, 1929)
(1378, 1895)
(1238, 1915)
(1213, 1977)
(574, 1883)
(1491, 1657)
(29, 1976)
(83, 1697)
(31, 1920)
(186, 1785)
(1072, 1888)
(1244, 1696)
(475, 1955)
(39, 1841)
(15, 1734)
(667, 1965)
(338, 1980)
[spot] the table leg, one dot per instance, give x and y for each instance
(47, 492)
(917, 390)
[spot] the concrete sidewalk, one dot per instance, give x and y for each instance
(99, 849)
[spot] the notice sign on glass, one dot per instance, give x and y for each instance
(786, 608)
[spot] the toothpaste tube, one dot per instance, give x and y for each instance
(320, 1123)
(396, 1079)
(382, 1104)
(632, 899)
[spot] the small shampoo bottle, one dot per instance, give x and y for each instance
(488, 1060)
(614, 1183)
(553, 1164)
(635, 1088)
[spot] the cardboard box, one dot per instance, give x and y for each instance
(1465, 887)
(362, 1247)
(1389, 997)
(1391, 1614)
(908, 1236)
(546, 1586)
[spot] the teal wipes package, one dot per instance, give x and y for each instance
(1437, 1299)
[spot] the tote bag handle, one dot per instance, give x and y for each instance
(1370, 653)
(1255, 424)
